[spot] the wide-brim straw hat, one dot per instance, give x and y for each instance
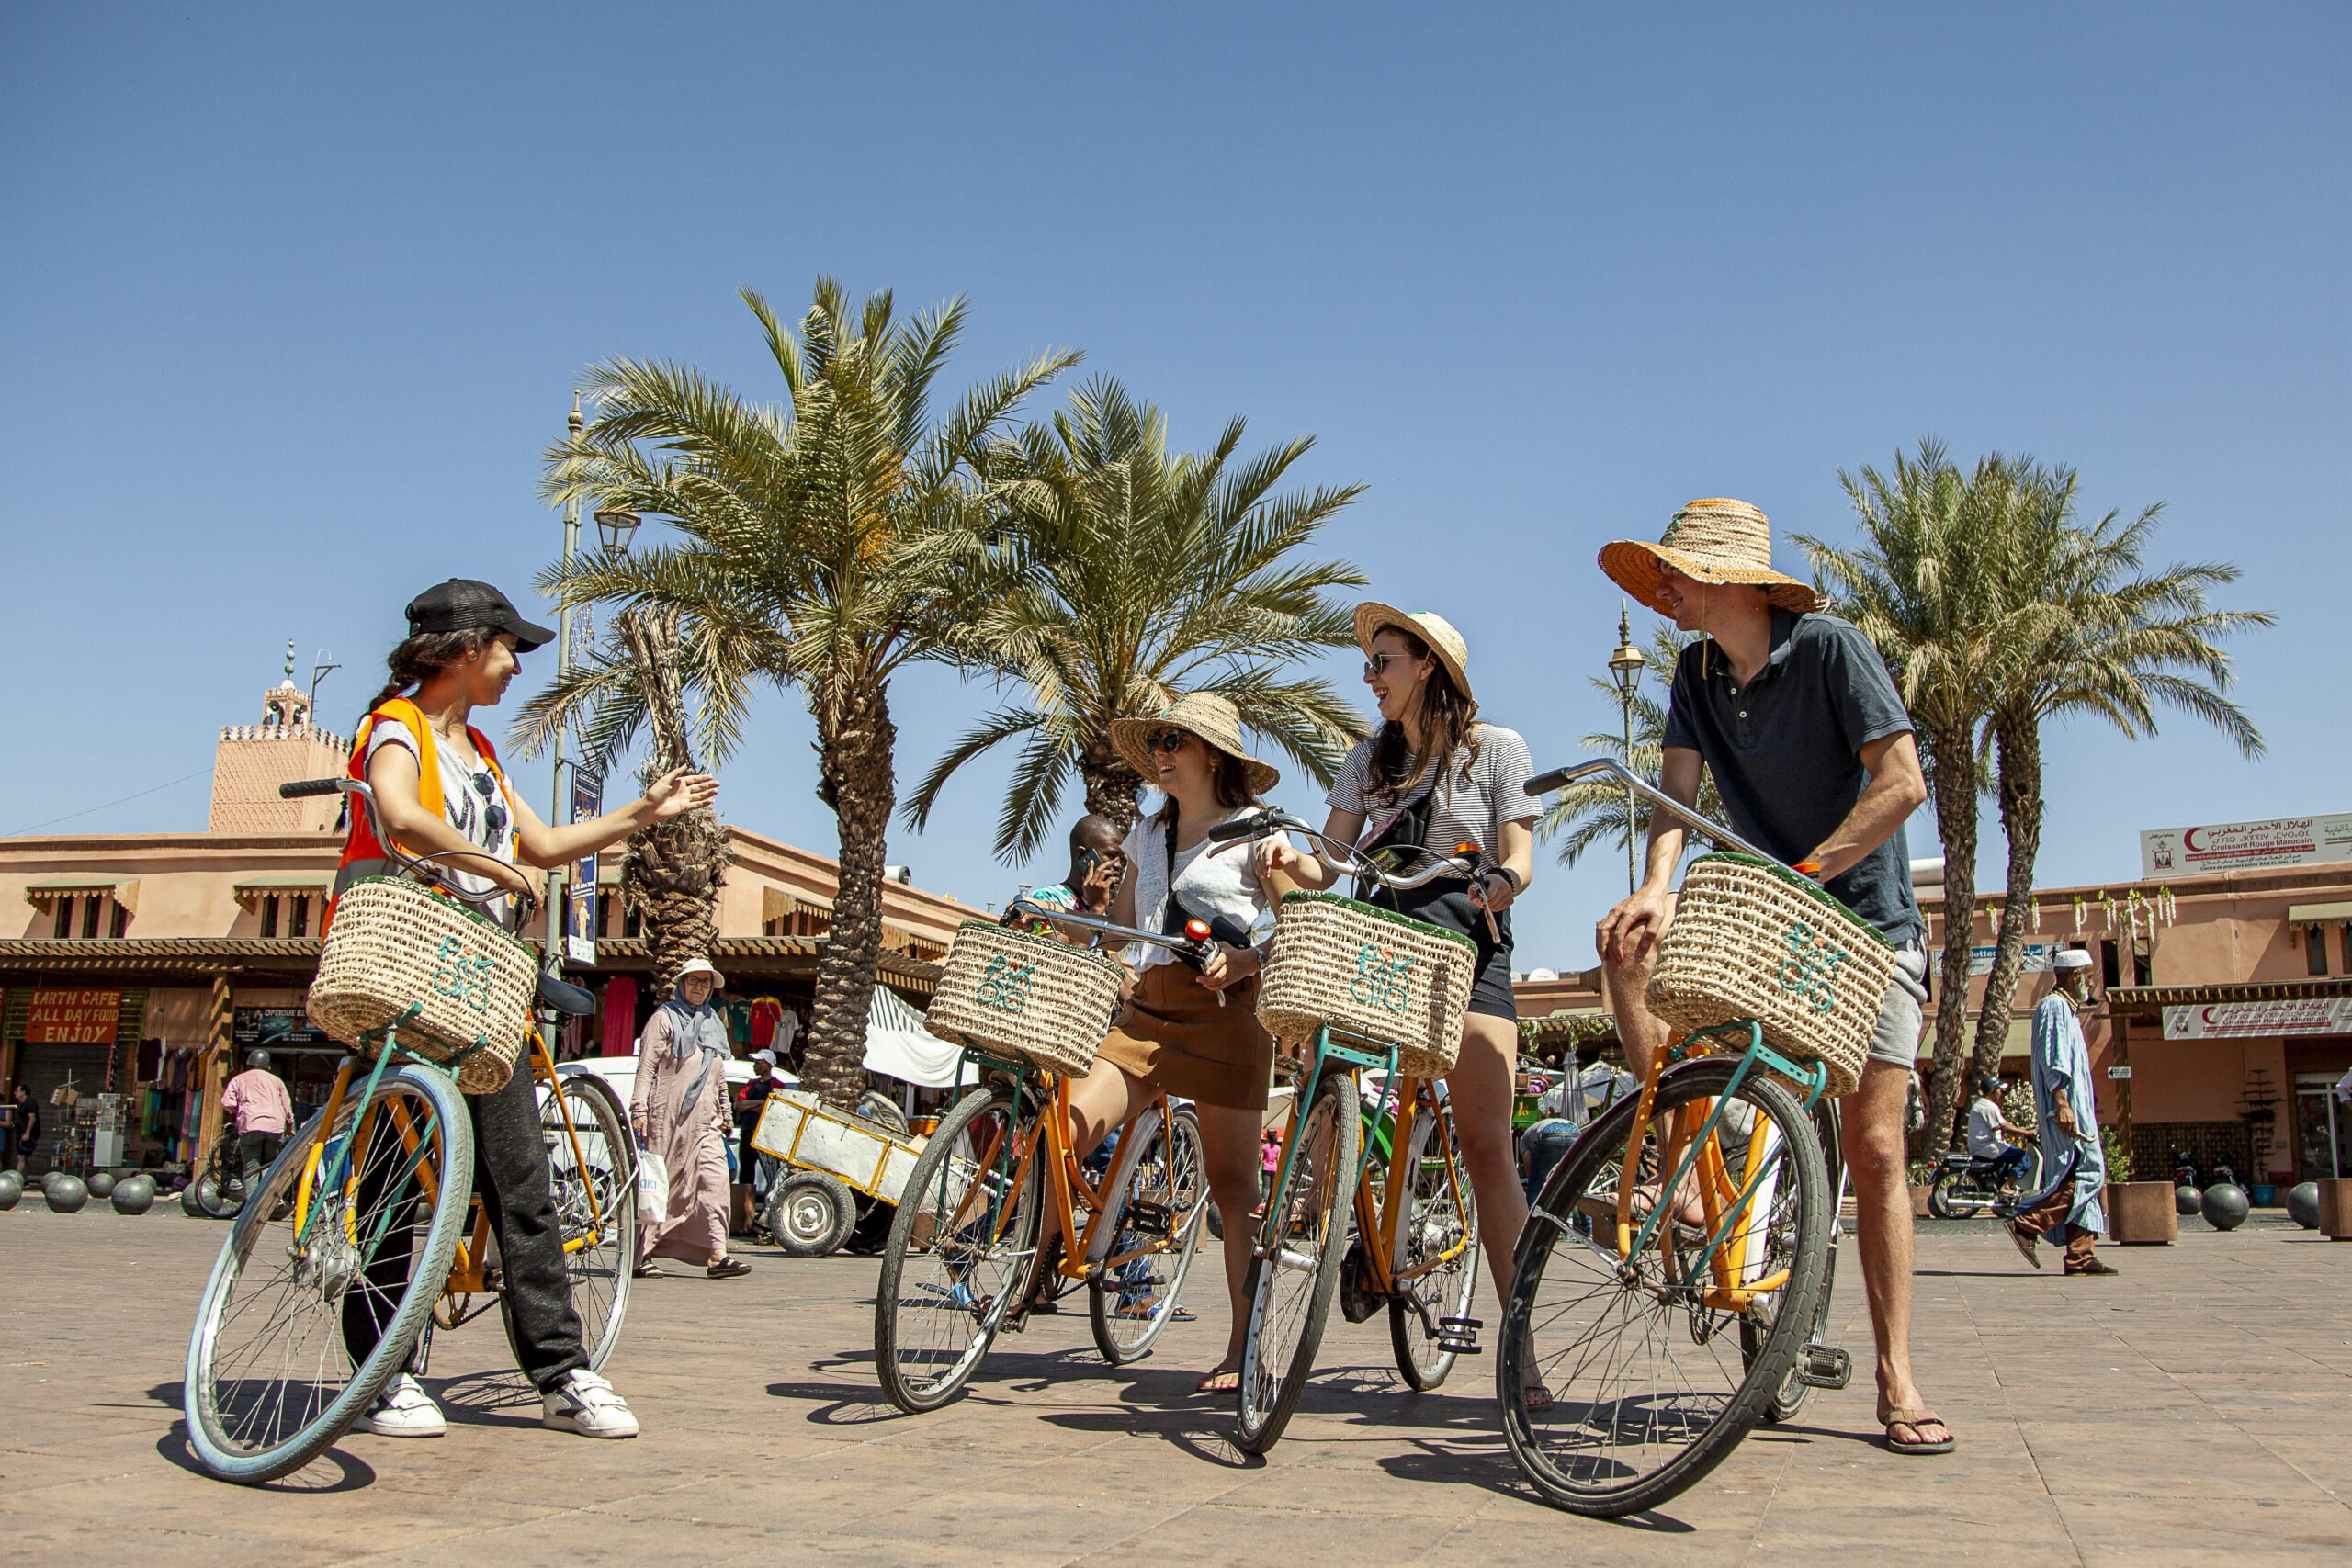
(1436, 631)
(1718, 541)
(700, 967)
(1204, 714)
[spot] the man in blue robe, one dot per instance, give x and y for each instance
(2065, 1111)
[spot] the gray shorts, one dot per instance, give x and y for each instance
(1897, 1038)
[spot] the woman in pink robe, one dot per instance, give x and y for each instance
(679, 1109)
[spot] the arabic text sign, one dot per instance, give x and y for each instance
(2238, 846)
(75, 1017)
(2033, 960)
(2238, 1020)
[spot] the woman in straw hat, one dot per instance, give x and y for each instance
(1190, 1032)
(1433, 777)
(679, 1109)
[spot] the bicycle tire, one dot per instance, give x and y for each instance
(937, 1308)
(1166, 1169)
(239, 1426)
(1294, 1271)
(1676, 1434)
(599, 1268)
(1445, 1211)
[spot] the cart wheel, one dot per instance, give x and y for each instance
(811, 1214)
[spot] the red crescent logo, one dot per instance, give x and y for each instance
(2188, 839)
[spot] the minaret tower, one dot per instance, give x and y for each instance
(253, 760)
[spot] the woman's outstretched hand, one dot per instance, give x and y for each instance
(679, 791)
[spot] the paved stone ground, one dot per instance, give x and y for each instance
(2197, 1409)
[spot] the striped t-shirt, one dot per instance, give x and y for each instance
(1472, 812)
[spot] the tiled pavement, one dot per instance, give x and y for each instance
(2197, 1409)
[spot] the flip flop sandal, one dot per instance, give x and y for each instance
(1919, 1421)
(1231, 1373)
(649, 1271)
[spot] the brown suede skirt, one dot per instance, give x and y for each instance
(1173, 1034)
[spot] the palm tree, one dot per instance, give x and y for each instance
(825, 545)
(671, 870)
(1921, 584)
(1128, 575)
(2120, 643)
(1593, 811)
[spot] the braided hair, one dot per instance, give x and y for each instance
(423, 655)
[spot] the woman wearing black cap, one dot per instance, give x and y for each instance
(439, 790)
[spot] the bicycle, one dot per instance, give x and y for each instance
(960, 1262)
(1409, 1239)
(383, 1173)
(1616, 1276)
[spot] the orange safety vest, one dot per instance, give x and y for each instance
(363, 852)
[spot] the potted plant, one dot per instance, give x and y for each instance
(2139, 1214)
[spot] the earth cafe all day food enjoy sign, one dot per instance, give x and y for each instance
(2243, 846)
(73, 1017)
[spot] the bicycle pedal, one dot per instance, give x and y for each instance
(1147, 1218)
(1460, 1334)
(1824, 1366)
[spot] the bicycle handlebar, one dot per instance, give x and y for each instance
(421, 865)
(1196, 933)
(1560, 778)
(1262, 824)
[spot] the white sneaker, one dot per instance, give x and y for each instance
(585, 1404)
(405, 1410)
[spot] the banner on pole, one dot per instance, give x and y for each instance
(579, 902)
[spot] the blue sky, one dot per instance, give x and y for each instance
(292, 300)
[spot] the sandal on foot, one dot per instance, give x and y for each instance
(2029, 1247)
(1919, 1421)
(1219, 1380)
(649, 1271)
(729, 1268)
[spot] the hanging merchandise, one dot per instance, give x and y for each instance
(2081, 914)
(2033, 907)
(766, 1011)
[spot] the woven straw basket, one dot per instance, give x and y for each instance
(1370, 971)
(1754, 939)
(1033, 996)
(395, 945)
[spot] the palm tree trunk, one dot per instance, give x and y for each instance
(1953, 763)
(855, 742)
(671, 870)
(1111, 785)
(2017, 739)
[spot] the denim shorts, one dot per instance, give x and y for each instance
(1897, 1038)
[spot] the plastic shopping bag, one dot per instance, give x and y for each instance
(652, 1188)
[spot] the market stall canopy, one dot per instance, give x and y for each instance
(2319, 914)
(897, 1045)
(250, 891)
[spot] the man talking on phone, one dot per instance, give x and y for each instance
(1096, 863)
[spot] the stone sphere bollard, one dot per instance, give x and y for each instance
(2186, 1199)
(66, 1194)
(12, 1188)
(2225, 1205)
(134, 1194)
(189, 1202)
(101, 1183)
(2303, 1205)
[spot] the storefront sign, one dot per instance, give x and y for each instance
(2239, 846)
(2240, 1020)
(287, 1027)
(73, 1018)
(580, 899)
(2035, 959)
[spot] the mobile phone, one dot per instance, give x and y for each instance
(1088, 861)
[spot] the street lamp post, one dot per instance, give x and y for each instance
(554, 962)
(1625, 668)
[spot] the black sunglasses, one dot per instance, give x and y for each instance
(1168, 741)
(1376, 663)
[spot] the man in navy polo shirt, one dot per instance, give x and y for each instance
(1793, 713)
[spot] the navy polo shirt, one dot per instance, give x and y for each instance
(1785, 751)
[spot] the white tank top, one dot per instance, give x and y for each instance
(1213, 885)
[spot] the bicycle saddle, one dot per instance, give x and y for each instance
(565, 997)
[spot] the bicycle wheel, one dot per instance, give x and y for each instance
(270, 1382)
(961, 1249)
(1648, 1392)
(1154, 1215)
(1296, 1270)
(1790, 1398)
(1440, 1238)
(592, 1167)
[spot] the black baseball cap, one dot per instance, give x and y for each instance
(461, 604)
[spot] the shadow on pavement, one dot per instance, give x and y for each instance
(333, 1470)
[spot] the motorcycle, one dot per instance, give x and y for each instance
(1963, 1187)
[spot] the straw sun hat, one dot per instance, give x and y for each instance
(1713, 541)
(1202, 714)
(1443, 642)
